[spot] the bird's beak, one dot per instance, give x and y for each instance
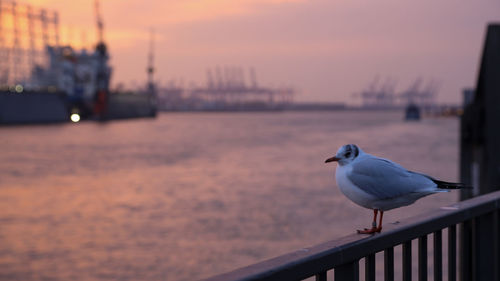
(332, 159)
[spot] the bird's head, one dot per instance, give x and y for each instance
(346, 154)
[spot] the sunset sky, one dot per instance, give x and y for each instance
(326, 49)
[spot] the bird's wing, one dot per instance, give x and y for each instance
(385, 179)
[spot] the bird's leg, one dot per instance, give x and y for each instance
(374, 224)
(379, 228)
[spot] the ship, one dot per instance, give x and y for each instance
(412, 112)
(62, 84)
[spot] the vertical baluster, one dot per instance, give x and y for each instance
(465, 254)
(452, 253)
(483, 259)
(348, 271)
(370, 267)
(389, 264)
(321, 276)
(496, 243)
(407, 261)
(438, 256)
(422, 258)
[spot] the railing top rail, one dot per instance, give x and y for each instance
(306, 262)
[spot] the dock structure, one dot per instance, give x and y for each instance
(25, 31)
(382, 95)
(480, 130)
(226, 89)
(229, 90)
(476, 221)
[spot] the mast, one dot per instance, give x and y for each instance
(103, 73)
(151, 91)
(100, 25)
(150, 69)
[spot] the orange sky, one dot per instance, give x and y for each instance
(326, 49)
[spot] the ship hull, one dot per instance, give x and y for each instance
(45, 107)
(32, 108)
(130, 105)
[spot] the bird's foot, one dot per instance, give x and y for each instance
(370, 230)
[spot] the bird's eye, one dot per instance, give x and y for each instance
(348, 154)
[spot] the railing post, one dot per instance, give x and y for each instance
(465, 250)
(370, 267)
(321, 276)
(389, 264)
(483, 259)
(407, 261)
(347, 272)
(422, 258)
(438, 256)
(452, 253)
(496, 243)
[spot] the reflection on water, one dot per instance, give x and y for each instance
(191, 195)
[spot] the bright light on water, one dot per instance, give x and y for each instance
(19, 88)
(75, 117)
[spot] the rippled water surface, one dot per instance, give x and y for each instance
(190, 195)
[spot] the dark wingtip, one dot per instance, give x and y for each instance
(451, 185)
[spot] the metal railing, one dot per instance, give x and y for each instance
(478, 252)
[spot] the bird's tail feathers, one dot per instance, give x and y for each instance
(441, 190)
(450, 185)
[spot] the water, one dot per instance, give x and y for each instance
(190, 195)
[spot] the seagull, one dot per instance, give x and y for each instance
(380, 184)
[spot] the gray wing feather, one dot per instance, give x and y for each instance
(385, 179)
